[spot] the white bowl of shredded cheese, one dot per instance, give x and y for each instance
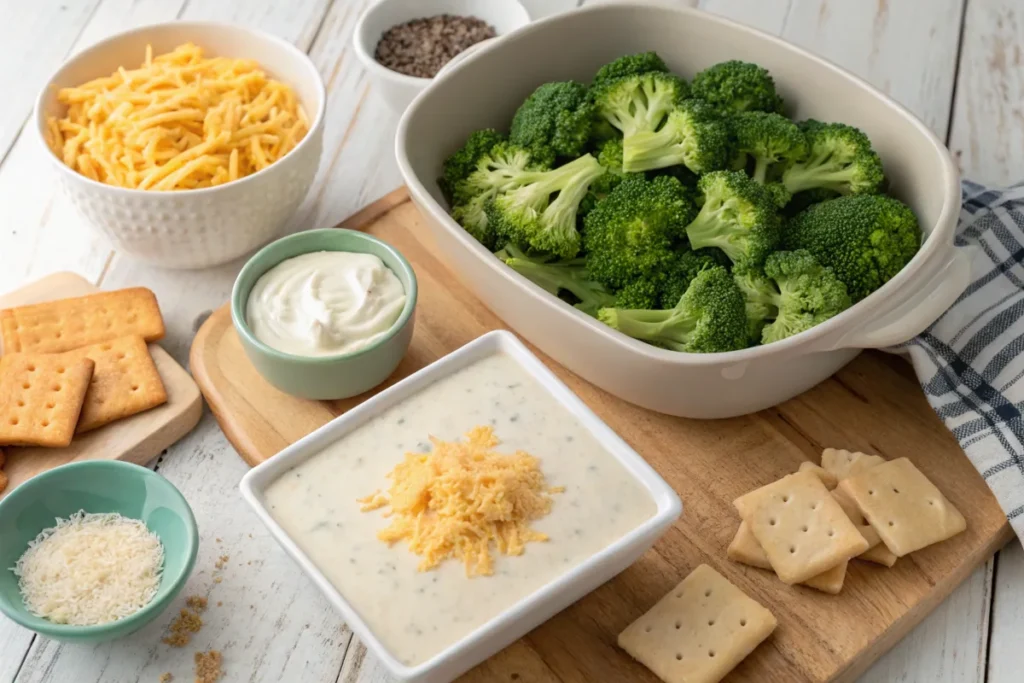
(187, 144)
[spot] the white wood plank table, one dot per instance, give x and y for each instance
(956, 63)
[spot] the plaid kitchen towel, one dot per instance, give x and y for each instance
(971, 361)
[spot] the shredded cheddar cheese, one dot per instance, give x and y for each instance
(181, 121)
(461, 497)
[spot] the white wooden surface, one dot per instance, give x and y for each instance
(955, 63)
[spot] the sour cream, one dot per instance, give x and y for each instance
(325, 303)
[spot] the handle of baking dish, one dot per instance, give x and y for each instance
(909, 317)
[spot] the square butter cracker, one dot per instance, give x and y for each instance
(877, 553)
(125, 382)
(843, 464)
(700, 631)
(746, 550)
(801, 527)
(827, 478)
(41, 396)
(904, 507)
(66, 324)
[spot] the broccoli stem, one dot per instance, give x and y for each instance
(711, 227)
(570, 276)
(808, 177)
(760, 169)
(648, 151)
(670, 329)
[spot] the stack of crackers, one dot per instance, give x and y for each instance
(74, 365)
(807, 526)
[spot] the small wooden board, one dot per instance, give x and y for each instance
(873, 405)
(137, 439)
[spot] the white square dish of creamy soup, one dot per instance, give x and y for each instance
(596, 507)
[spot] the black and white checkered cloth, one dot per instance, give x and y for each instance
(971, 361)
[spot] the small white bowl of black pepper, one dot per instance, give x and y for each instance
(404, 44)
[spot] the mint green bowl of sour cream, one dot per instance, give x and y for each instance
(325, 314)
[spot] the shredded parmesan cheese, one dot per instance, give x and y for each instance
(90, 569)
(462, 496)
(179, 122)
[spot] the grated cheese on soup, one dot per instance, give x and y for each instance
(90, 569)
(461, 497)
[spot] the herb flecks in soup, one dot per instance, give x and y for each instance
(415, 614)
(461, 497)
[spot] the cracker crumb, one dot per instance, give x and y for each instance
(217, 579)
(182, 628)
(208, 666)
(197, 603)
(166, 677)
(222, 562)
(219, 603)
(218, 540)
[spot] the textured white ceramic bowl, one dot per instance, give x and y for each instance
(193, 228)
(397, 89)
(533, 609)
(485, 89)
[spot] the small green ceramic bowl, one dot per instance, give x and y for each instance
(96, 486)
(326, 377)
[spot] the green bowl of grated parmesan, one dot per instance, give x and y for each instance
(93, 550)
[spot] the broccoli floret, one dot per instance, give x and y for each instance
(633, 231)
(865, 239)
(496, 171)
(708, 318)
(662, 288)
(460, 165)
(736, 86)
(808, 294)
(839, 158)
(693, 135)
(554, 121)
(738, 216)
(630, 65)
(639, 102)
(558, 277)
(769, 138)
(526, 215)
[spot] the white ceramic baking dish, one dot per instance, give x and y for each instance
(485, 90)
(533, 609)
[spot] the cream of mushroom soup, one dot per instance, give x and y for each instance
(417, 614)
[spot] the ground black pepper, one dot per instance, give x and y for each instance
(422, 46)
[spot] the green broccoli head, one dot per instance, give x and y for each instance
(630, 65)
(559, 277)
(463, 162)
(638, 102)
(526, 215)
(738, 216)
(737, 86)
(633, 231)
(554, 121)
(769, 138)
(709, 318)
(808, 294)
(496, 171)
(661, 288)
(839, 158)
(693, 135)
(865, 239)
